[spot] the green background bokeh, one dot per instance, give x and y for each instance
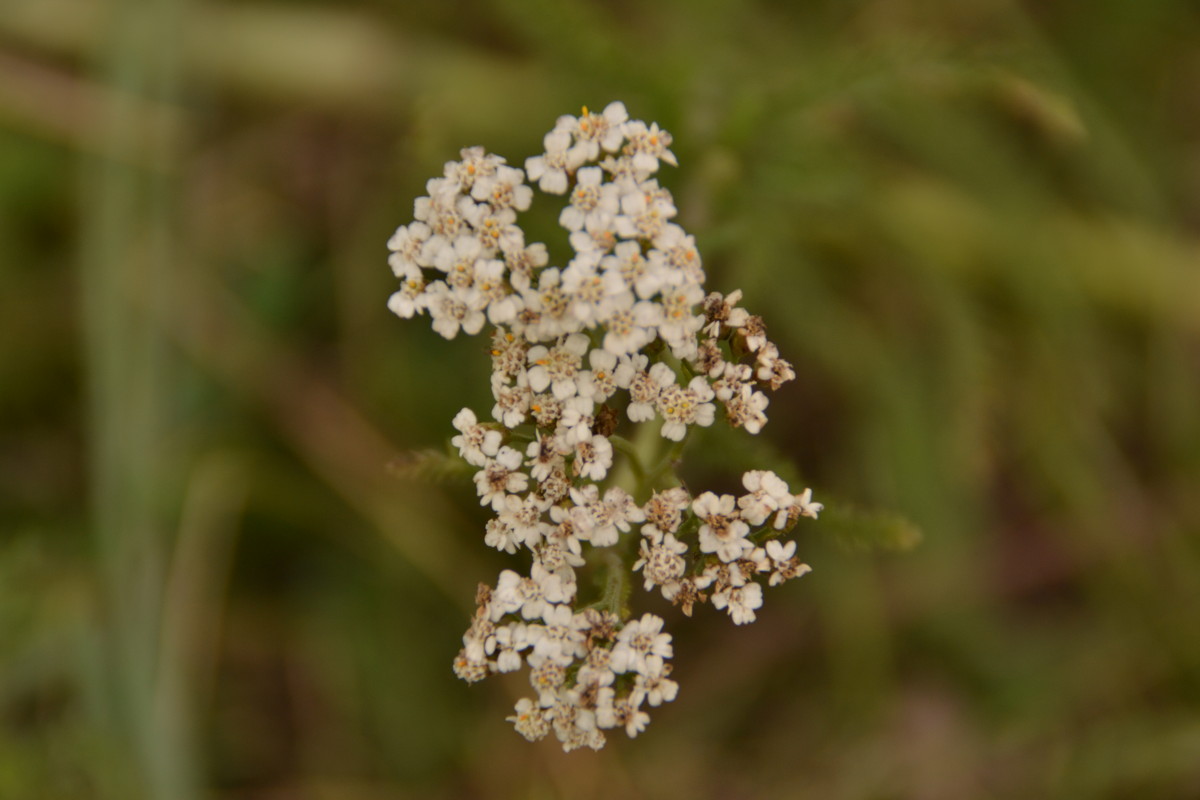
(972, 227)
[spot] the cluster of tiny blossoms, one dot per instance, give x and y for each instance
(622, 336)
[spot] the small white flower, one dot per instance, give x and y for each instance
(754, 332)
(741, 602)
(780, 553)
(637, 272)
(630, 329)
(510, 640)
(784, 562)
(720, 312)
(708, 359)
(551, 307)
(573, 724)
(643, 396)
(600, 382)
(639, 639)
(676, 251)
(478, 641)
(731, 381)
(621, 170)
(768, 494)
(547, 410)
(597, 237)
(577, 420)
(469, 669)
(775, 372)
(551, 585)
(653, 685)
(647, 146)
(406, 244)
(722, 532)
(555, 486)
(546, 678)
(601, 521)
(745, 409)
(545, 454)
(523, 262)
(476, 443)
(756, 560)
(556, 556)
(664, 510)
(495, 229)
(523, 517)
(499, 477)
(409, 300)
(596, 670)
(594, 296)
(533, 597)
(679, 406)
(508, 596)
(458, 261)
(476, 164)
(445, 224)
(701, 394)
(508, 354)
(808, 507)
(593, 458)
(679, 322)
(661, 559)
(550, 169)
(513, 401)
(628, 368)
(557, 366)
(505, 188)
(454, 309)
(566, 534)
(591, 199)
(643, 214)
(530, 720)
(624, 713)
(500, 534)
(501, 304)
(595, 131)
(662, 374)
(560, 639)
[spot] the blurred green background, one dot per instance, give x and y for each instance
(973, 227)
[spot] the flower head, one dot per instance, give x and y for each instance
(620, 336)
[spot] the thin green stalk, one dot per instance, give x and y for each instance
(616, 584)
(126, 249)
(666, 466)
(631, 473)
(630, 451)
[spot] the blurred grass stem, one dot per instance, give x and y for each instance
(126, 248)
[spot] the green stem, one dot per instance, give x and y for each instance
(616, 585)
(630, 451)
(128, 258)
(632, 476)
(667, 464)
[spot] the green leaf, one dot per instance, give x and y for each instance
(855, 530)
(431, 466)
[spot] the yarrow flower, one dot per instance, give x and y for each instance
(623, 338)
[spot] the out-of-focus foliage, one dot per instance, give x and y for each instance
(974, 228)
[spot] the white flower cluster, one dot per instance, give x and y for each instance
(625, 329)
